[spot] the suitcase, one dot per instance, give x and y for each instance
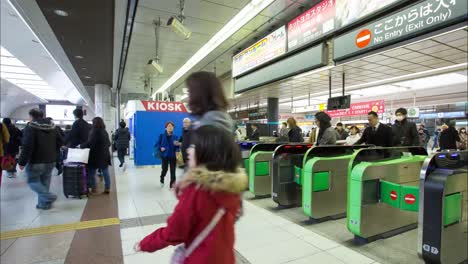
(74, 180)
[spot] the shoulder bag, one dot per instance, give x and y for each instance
(181, 253)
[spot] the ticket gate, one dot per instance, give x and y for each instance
(442, 232)
(286, 174)
(383, 190)
(259, 169)
(245, 147)
(325, 181)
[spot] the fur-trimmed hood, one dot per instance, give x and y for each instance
(216, 181)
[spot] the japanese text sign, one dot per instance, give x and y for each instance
(357, 109)
(262, 51)
(416, 18)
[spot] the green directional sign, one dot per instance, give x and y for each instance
(422, 17)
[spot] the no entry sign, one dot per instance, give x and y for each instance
(393, 195)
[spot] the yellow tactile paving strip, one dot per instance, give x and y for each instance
(43, 230)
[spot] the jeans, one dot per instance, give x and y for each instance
(39, 181)
(92, 177)
(121, 152)
(165, 163)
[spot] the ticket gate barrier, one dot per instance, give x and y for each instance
(245, 147)
(383, 190)
(325, 181)
(286, 174)
(259, 169)
(443, 225)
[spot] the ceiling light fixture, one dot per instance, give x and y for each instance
(79, 57)
(247, 13)
(60, 12)
(87, 77)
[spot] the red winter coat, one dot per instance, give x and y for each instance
(203, 192)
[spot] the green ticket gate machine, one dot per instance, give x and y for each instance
(259, 169)
(325, 181)
(245, 147)
(383, 190)
(442, 233)
(286, 174)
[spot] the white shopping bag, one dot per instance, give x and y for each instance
(78, 155)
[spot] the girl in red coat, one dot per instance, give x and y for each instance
(213, 182)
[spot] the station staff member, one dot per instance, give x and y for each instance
(376, 133)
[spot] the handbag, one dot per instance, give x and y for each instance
(181, 253)
(8, 162)
(78, 155)
(179, 159)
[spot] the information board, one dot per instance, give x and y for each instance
(264, 50)
(410, 21)
(357, 109)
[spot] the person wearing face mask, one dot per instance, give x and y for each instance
(463, 144)
(404, 131)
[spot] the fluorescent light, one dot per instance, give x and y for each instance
(21, 81)
(183, 97)
(247, 13)
(20, 76)
(4, 52)
(11, 61)
(15, 69)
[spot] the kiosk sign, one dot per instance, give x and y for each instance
(414, 19)
(157, 106)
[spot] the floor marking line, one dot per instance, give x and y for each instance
(43, 230)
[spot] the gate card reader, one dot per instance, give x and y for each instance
(442, 232)
(382, 191)
(325, 180)
(286, 166)
(259, 164)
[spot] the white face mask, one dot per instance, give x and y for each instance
(400, 118)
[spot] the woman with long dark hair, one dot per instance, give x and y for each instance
(327, 135)
(99, 155)
(208, 102)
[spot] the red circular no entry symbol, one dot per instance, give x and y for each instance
(363, 38)
(410, 199)
(393, 195)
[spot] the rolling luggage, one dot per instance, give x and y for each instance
(74, 180)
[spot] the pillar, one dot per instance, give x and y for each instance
(103, 109)
(272, 114)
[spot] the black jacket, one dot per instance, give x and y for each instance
(448, 139)
(122, 138)
(12, 147)
(405, 134)
(295, 135)
(185, 140)
(341, 136)
(255, 135)
(99, 144)
(39, 142)
(383, 137)
(79, 133)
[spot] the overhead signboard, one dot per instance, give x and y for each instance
(415, 19)
(262, 51)
(442, 115)
(312, 24)
(413, 112)
(358, 109)
(328, 16)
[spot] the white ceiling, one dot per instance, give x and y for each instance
(13, 97)
(424, 57)
(204, 18)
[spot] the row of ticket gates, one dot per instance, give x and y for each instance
(381, 191)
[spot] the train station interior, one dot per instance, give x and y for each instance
(234, 131)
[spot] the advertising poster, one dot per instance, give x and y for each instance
(358, 109)
(312, 24)
(266, 49)
(349, 11)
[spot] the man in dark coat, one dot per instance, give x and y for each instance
(185, 139)
(80, 130)
(12, 147)
(404, 131)
(122, 142)
(39, 153)
(376, 133)
(255, 134)
(449, 137)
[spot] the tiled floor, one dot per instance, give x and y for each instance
(263, 234)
